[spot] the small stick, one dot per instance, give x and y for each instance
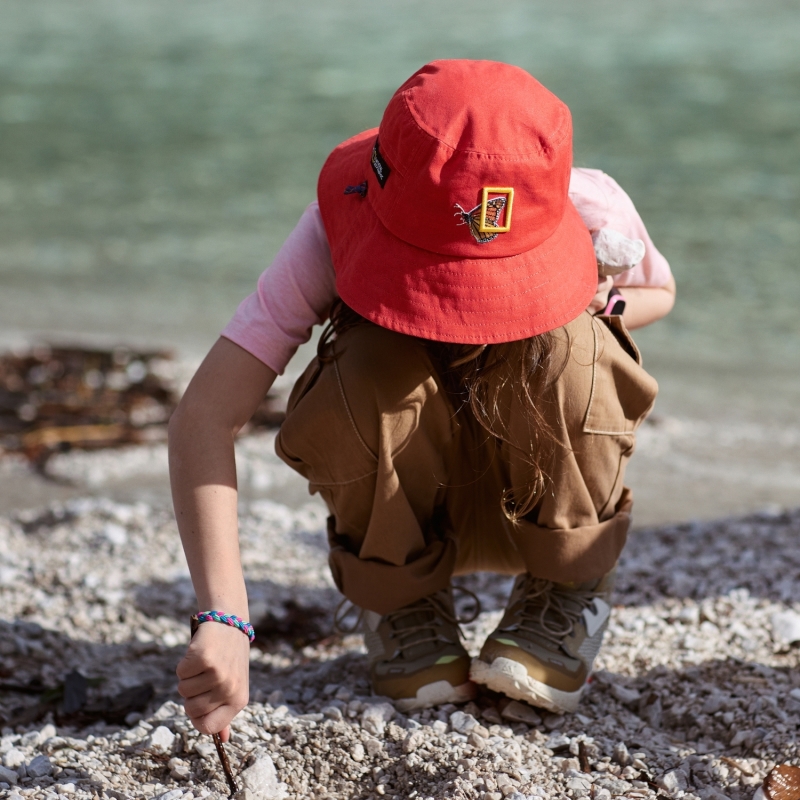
(736, 765)
(583, 758)
(226, 766)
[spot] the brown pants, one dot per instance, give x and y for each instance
(414, 485)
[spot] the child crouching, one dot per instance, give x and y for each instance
(467, 409)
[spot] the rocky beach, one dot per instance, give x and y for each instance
(696, 692)
(152, 161)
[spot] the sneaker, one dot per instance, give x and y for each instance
(543, 650)
(416, 656)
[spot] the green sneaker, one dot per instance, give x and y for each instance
(416, 656)
(544, 647)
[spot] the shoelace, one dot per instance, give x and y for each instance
(412, 635)
(409, 633)
(565, 606)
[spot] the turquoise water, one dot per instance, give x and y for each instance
(153, 155)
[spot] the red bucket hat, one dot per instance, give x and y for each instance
(452, 220)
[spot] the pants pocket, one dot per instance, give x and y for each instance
(622, 393)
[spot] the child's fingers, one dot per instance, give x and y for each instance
(198, 684)
(217, 721)
(201, 705)
(217, 694)
(193, 663)
(604, 283)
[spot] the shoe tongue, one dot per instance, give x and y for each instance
(411, 620)
(421, 623)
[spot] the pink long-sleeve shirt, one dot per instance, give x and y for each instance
(296, 291)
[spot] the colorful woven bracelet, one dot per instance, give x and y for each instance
(228, 619)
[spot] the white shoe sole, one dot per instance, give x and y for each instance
(437, 694)
(511, 679)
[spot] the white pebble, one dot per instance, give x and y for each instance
(260, 779)
(115, 534)
(13, 758)
(47, 732)
(672, 782)
(172, 794)
(786, 627)
(461, 722)
(161, 739)
(375, 716)
(357, 752)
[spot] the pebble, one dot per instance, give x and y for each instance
(521, 712)
(260, 779)
(624, 694)
(476, 740)
(413, 740)
(8, 775)
(13, 758)
(621, 754)
(786, 627)
(375, 716)
(462, 723)
(39, 767)
(179, 770)
(161, 740)
(672, 782)
(579, 785)
(357, 752)
(172, 794)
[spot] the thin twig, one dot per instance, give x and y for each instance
(736, 765)
(226, 766)
(583, 758)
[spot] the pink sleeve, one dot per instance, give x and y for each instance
(293, 294)
(602, 203)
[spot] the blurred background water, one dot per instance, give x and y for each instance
(155, 153)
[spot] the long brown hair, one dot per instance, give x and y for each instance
(485, 378)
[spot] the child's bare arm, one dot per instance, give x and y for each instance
(643, 304)
(647, 304)
(227, 389)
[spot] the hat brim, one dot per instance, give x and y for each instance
(449, 299)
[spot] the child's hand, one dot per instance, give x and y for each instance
(214, 677)
(604, 286)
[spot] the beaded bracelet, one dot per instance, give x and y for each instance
(228, 619)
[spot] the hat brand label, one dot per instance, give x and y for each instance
(484, 220)
(379, 165)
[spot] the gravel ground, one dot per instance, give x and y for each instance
(696, 691)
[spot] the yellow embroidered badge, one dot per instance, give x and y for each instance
(484, 220)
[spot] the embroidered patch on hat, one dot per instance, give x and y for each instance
(379, 165)
(491, 217)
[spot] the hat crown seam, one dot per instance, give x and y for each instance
(425, 128)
